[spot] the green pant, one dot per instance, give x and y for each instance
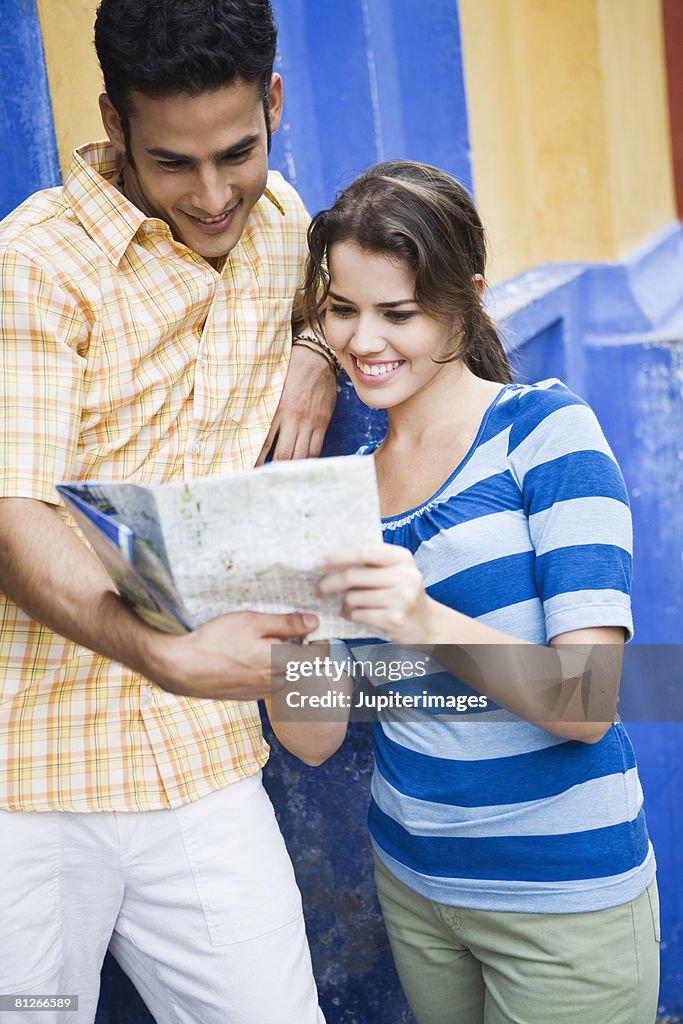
(461, 966)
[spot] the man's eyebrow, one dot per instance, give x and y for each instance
(380, 305)
(169, 154)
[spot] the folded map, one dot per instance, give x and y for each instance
(186, 552)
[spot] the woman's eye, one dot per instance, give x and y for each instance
(397, 316)
(340, 310)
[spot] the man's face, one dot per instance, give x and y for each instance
(199, 163)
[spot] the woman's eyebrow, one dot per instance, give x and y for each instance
(380, 305)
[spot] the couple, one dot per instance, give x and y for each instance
(148, 309)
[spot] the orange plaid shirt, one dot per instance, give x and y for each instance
(126, 356)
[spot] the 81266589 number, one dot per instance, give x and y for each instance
(20, 1001)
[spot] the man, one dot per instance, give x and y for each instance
(146, 335)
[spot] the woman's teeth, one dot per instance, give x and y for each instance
(377, 369)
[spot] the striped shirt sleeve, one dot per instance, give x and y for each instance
(577, 507)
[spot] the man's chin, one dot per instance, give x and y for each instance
(212, 245)
(214, 248)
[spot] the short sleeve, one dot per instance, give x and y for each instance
(41, 379)
(577, 507)
(294, 224)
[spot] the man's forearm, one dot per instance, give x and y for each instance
(48, 571)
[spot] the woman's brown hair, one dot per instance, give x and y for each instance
(423, 217)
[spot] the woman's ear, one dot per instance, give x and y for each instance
(479, 283)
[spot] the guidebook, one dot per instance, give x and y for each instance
(186, 552)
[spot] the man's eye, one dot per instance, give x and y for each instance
(235, 158)
(337, 310)
(170, 165)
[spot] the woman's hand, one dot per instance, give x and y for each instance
(383, 589)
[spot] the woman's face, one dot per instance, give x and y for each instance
(386, 343)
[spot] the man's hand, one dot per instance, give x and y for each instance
(305, 408)
(228, 658)
(46, 569)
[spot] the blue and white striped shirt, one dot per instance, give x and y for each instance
(531, 534)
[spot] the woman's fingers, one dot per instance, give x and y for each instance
(372, 555)
(356, 600)
(357, 578)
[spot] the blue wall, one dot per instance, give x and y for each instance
(368, 80)
(615, 334)
(27, 141)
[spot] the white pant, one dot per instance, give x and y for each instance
(199, 905)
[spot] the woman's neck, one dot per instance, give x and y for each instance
(449, 402)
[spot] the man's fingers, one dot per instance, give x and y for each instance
(305, 444)
(316, 443)
(292, 625)
(286, 442)
(268, 443)
(302, 444)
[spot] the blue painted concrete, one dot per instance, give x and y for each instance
(617, 337)
(614, 333)
(27, 140)
(359, 88)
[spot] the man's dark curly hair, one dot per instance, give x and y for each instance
(162, 47)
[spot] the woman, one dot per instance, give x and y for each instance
(513, 865)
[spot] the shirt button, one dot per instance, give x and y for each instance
(196, 448)
(208, 278)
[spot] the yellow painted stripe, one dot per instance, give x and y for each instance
(73, 72)
(568, 125)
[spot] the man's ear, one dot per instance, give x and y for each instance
(111, 120)
(275, 102)
(479, 283)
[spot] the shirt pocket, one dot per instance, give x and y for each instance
(653, 899)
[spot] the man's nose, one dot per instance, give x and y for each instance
(212, 194)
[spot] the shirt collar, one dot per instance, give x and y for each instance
(107, 216)
(110, 219)
(274, 200)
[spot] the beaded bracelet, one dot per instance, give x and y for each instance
(316, 345)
